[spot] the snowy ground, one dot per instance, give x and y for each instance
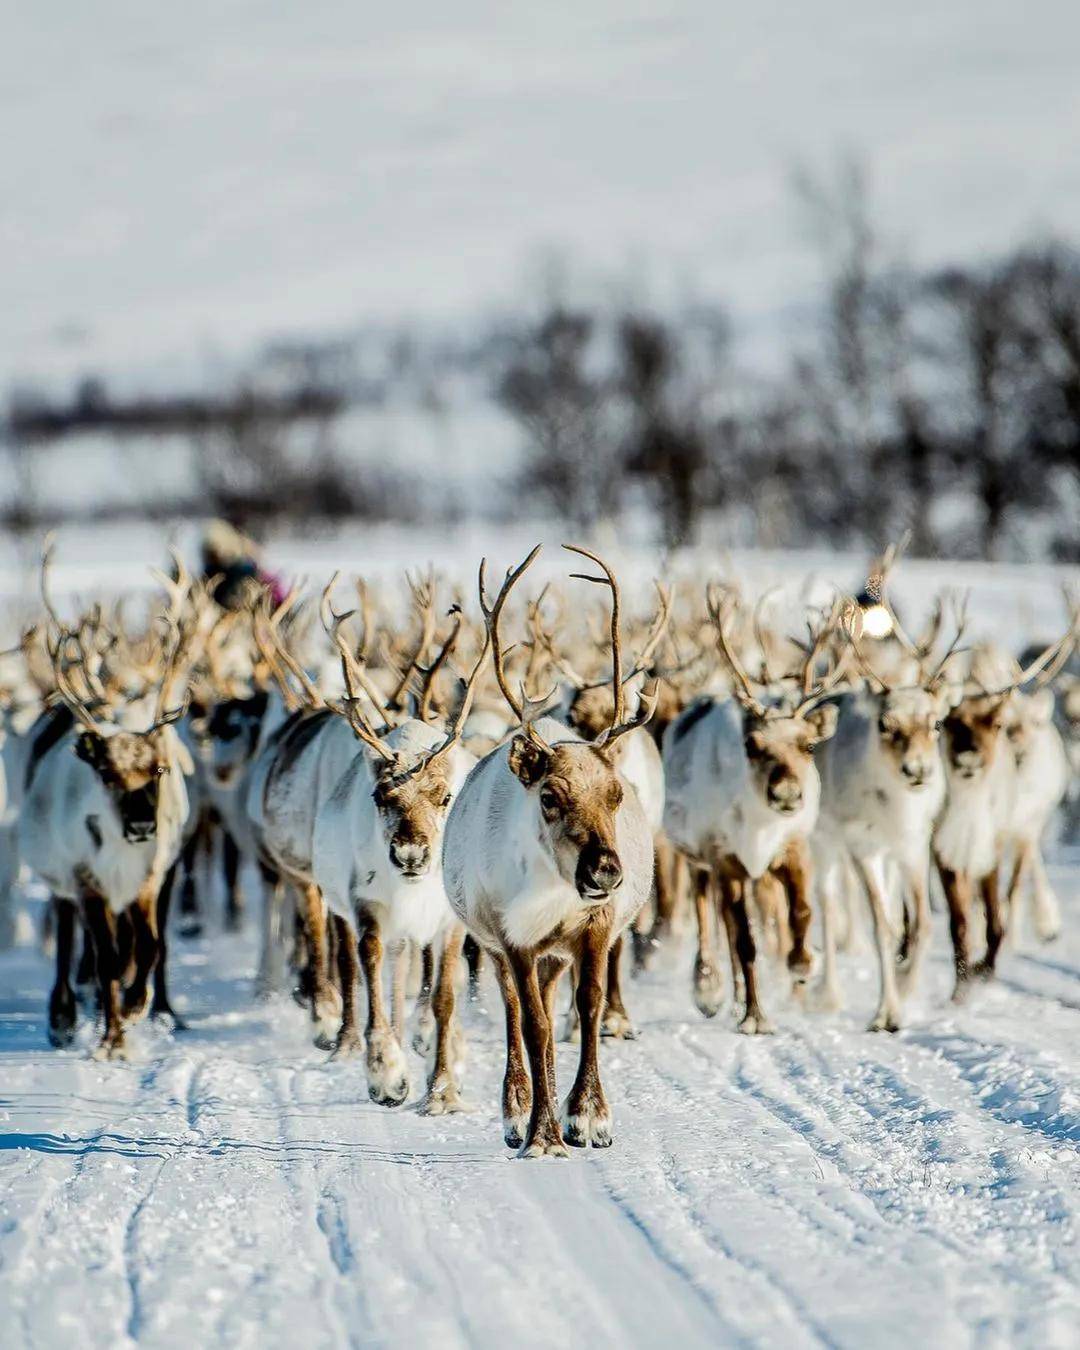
(821, 1187)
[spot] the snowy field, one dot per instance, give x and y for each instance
(819, 1187)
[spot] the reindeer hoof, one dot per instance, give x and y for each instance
(587, 1123)
(135, 1009)
(983, 970)
(191, 929)
(169, 1018)
(111, 1050)
(349, 1045)
(387, 1071)
(708, 990)
(443, 1100)
(545, 1146)
(755, 1023)
(617, 1026)
(514, 1130)
(885, 1020)
(801, 965)
(61, 1034)
(423, 1040)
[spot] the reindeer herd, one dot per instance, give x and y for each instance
(511, 790)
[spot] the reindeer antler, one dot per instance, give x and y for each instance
(618, 716)
(492, 614)
(720, 610)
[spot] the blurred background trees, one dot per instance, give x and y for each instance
(943, 401)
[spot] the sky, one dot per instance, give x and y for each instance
(185, 182)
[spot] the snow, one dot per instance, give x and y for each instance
(821, 1187)
(183, 184)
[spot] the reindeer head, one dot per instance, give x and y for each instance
(130, 765)
(779, 740)
(780, 752)
(1027, 717)
(909, 731)
(412, 805)
(973, 733)
(579, 792)
(229, 734)
(575, 784)
(414, 779)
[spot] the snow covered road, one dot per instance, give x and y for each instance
(819, 1187)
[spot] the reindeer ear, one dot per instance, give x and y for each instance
(527, 760)
(822, 721)
(1041, 706)
(88, 749)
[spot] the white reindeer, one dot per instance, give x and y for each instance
(547, 858)
(102, 825)
(377, 860)
(742, 801)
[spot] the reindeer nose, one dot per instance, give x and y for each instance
(968, 762)
(916, 773)
(410, 858)
(599, 872)
(785, 792)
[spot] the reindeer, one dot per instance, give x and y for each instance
(882, 788)
(377, 855)
(547, 858)
(974, 827)
(742, 800)
(102, 825)
(589, 711)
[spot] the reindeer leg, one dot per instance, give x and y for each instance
(957, 888)
(161, 1006)
(387, 1069)
(544, 1138)
(550, 971)
(474, 956)
(887, 1017)
(995, 929)
(708, 988)
(586, 1117)
(442, 1094)
(234, 896)
(517, 1087)
(827, 996)
(919, 932)
(190, 914)
(349, 1041)
(86, 973)
(571, 1032)
(63, 1012)
(616, 1021)
(733, 889)
(1046, 910)
(136, 998)
(325, 1000)
(268, 981)
(399, 989)
(1014, 895)
(98, 919)
(794, 873)
(423, 1033)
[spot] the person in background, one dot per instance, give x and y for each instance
(234, 560)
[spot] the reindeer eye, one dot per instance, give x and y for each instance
(548, 801)
(446, 800)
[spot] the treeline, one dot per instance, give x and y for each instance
(944, 402)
